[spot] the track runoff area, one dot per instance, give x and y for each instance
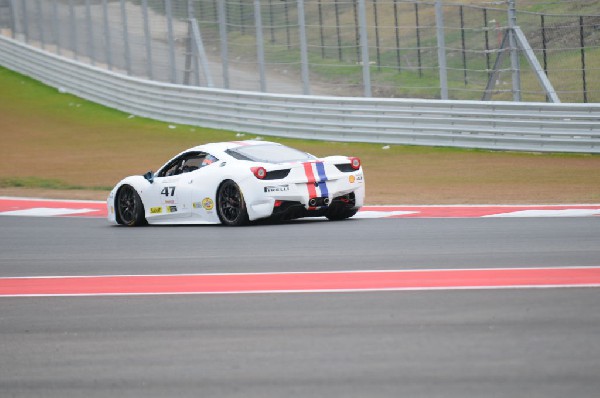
(304, 282)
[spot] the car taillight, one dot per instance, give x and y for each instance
(355, 163)
(259, 172)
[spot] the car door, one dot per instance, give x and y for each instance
(205, 181)
(198, 173)
(169, 196)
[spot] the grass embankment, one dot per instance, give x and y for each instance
(58, 145)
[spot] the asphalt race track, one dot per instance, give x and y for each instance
(501, 342)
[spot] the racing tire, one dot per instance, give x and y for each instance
(341, 214)
(231, 207)
(130, 209)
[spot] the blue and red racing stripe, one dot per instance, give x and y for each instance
(323, 179)
(312, 180)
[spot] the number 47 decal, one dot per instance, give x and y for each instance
(168, 191)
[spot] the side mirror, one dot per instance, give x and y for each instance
(149, 176)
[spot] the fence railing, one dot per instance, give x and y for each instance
(472, 124)
(379, 48)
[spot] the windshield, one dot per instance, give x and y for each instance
(269, 153)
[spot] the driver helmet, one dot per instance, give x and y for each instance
(209, 159)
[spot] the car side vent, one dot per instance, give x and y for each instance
(345, 168)
(277, 174)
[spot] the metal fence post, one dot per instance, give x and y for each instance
(338, 30)
(260, 50)
(439, 22)
(487, 41)
(544, 44)
(286, 10)
(72, 30)
(377, 43)
(535, 65)
(303, 48)
(25, 21)
(38, 11)
(271, 23)
(364, 46)
(397, 34)
(200, 58)
(189, 52)
(418, 34)
(357, 25)
(126, 37)
(462, 42)
(13, 19)
(90, 32)
(222, 14)
(582, 43)
(148, 40)
(107, 34)
(56, 26)
(195, 52)
(242, 30)
(321, 34)
(514, 52)
(171, 41)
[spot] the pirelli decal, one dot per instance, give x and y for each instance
(277, 188)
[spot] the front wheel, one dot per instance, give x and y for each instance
(130, 209)
(231, 207)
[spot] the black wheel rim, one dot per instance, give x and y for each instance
(127, 205)
(230, 202)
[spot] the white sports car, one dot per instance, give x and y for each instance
(234, 183)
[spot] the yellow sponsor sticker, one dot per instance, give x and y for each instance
(155, 210)
(208, 204)
(351, 179)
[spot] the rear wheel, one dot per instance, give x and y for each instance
(130, 208)
(231, 207)
(341, 214)
(342, 207)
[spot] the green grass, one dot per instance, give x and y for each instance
(45, 183)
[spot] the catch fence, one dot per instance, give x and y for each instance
(379, 48)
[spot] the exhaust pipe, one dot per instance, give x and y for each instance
(317, 202)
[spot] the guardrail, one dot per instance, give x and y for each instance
(469, 124)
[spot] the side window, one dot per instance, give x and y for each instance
(170, 169)
(208, 159)
(192, 163)
(197, 161)
(186, 163)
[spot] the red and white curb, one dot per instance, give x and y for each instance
(82, 208)
(301, 282)
(51, 207)
(476, 211)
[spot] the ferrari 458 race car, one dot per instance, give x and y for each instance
(234, 183)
